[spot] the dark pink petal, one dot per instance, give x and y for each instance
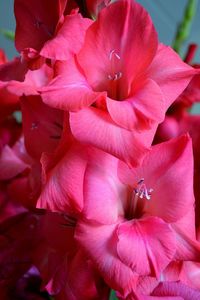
(146, 246)
(171, 74)
(3, 58)
(13, 70)
(68, 39)
(95, 127)
(82, 281)
(168, 170)
(10, 164)
(126, 45)
(39, 18)
(141, 110)
(42, 126)
(69, 90)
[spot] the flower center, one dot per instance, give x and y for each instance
(141, 190)
(114, 74)
(137, 203)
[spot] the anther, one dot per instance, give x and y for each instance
(34, 126)
(141, 191)
(117, 76)
(38, 24)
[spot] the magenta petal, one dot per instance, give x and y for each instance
(94, 126)
(146, 246)
(68, 39)
(69, 90)
(171, 74)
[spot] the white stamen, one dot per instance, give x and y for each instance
(115, 77)
(112, 52)
(141, 191)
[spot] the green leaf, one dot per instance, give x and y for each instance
(9, 34)
(112, 295)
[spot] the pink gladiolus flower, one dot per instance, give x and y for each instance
(52, 35)
(135, 224)
(122, 72)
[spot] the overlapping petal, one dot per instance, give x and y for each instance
(170, 177)
(70, 90)
(155, 241)
(171, 74)
(95, 127)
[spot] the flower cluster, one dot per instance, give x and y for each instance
(96, 181)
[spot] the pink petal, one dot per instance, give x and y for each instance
(100, 243)
(68, 39)
(191, 274)
(176, 289)
(103, 192)
(69, 90)
(146, 246)
(94, 126)
(63, 183)
(130, 36)
(186, 248)
(171, 74)
(168, 170)
(140, 111)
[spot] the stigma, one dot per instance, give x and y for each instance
(141, 191)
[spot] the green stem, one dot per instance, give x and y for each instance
(8, 34)
(112, 296)
(184, 27)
